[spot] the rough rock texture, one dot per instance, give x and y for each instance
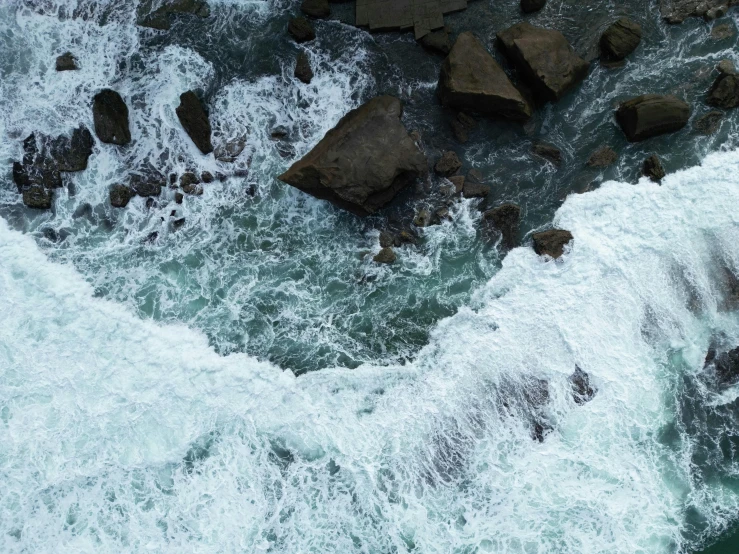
(653, 169)
(471, 80)
(110, 116)
(72, 153)
(147, 184)
(551, 243)
(303, 70)
(677, 11)
(437, 42)
(315, 8)
(726, 67)
(448, 164)
(385, 256)
(228, 151)
(531, 6)
(582, 390)
(301, 29)
(723, 31)
(194, 119)
(462, 125)
(725, 91)
(422, 15)
(120, 195)
(548, 152)
(709, 123)
(651, 115)
(38, 197)
(363, 162)
(544, 59)
(620, 39)
(66, 62)
(424, 218)
(156, 15)
(603, 157)
(505, 219)
(475, 190)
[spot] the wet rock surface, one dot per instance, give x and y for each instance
(110, 115)
(505, 219)
(303, 70)
(653, 169)
(301, 29)
(66, 62)
(194, 120)
(551, 243)
(158, 15)
(620, 39)
(582, 390)
(651, 115)
(421, 15)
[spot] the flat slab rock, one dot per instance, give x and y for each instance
(423, 16)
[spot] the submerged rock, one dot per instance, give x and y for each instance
(303, 70)
(110, 116)
(531, 6)
(120, 196)
(582, 390)
(603, 157)
(505, 219)
(471, 80)
(651, 115)
(725, 91)
(66, 62)
(194, 120)
(620, 39)
(551, 243)
(448, 164)
(363, 162)
(301, 29)
(462, 124)
(385, 256)
(544, 59)
(548, 152)
(653, 169)
(315, 8)
(228, 151)
(156, 14)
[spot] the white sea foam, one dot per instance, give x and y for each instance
(99, 408)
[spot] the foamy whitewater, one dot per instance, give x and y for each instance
(122, 435)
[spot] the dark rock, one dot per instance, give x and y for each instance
(38, 197)
(207, 177)
(152, 237)
(471, 80)
(603, 158)
(544, 59)
(448, 164)
(194, 119)
(725, 92)
(462, 124)
(531, 6)
(83, 210)
(505, 219)
(178, 223)
(551, 243)
(363, 162)
(178, 197)
(653, 169)
(458, 182)
(726, 367)
(422, 15)
(620, 39)
(41, 173)
(315, 8)
(424, 218)
(582, 390)
(405, 237)
(72, 153)
(475, 190)
(677, 11)
(437, 42)
(151, 203)
(120, 195)
(278, 133)
(385, 256)
(110, 115)
(228, 151)
(709, 123)
(722, 32)
(189, 178)
(301, 29)
(156, 14)
(442, 214)
(148, 184)
(726, 67)
(651, 115)
(548, 152)
(303, 71)
(66, 62)
(387, 239)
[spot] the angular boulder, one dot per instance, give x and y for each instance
(301, 29)
(653, 169)
(551, 243)
(544, 59)
(38, 197)
(72, 153)
(709, 123)
(471, 80)
(363, 162)
(448, 164)
(110, 116)
(603, 157)
(120, 196)
(548, 152)
(505, 219)
(652, 115)
(620, 39)
(582, 390)
(437, 42)
(531, 6)
(385, 256)
(194, 120)
(303, 71)
(725, 91)
(66, 62)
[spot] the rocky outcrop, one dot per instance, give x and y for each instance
(303, 71)
(551, 243)
(315, 8)
(120, 196)
(651, 115)
(301, 29)
(385, 256)
(653, 169)
(194, 120)
(157, 14)
(147, 184)
(725, 91)
(437, 42)
(471, 80)
(505, 219)
(531, 6)
(548, 152)
(66, 62)
(603, 157)
(582, 390)
(71, 153)
(110, 116)
(544, 59)
(620, 39)
(363, 162)
(677, 11)
(448, 164)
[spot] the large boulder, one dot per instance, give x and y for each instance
(471, 80)
(110, 116)
(72, 153)
(156, 13)
(194, 119)
(303, 70)
(437, 42)
(544, 58)
(620, 39)
(505, 219)
(551, 243)
(725, 91)
(363, 162)
(651, 115)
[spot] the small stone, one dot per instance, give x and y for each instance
(301, 29)
(475, 190)
(709, 123)
(178, 197)
(448, 164)
(385, 256)
(207, 177)
(551, 243)
(653, 169)
(387, 239)
(120, 195)
(603, 158)
(66, 62)
(316, 8)
(303, 71)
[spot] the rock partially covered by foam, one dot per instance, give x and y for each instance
(505, 219)
(551, 243)
(582, 390)
(363, 162)
(156, 14)
(725, 365)
(66, 62)
(652, 115)
(194, 120)
(471, 80)
(110, 115)
(544, 59)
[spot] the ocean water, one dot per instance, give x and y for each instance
(252, 382)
